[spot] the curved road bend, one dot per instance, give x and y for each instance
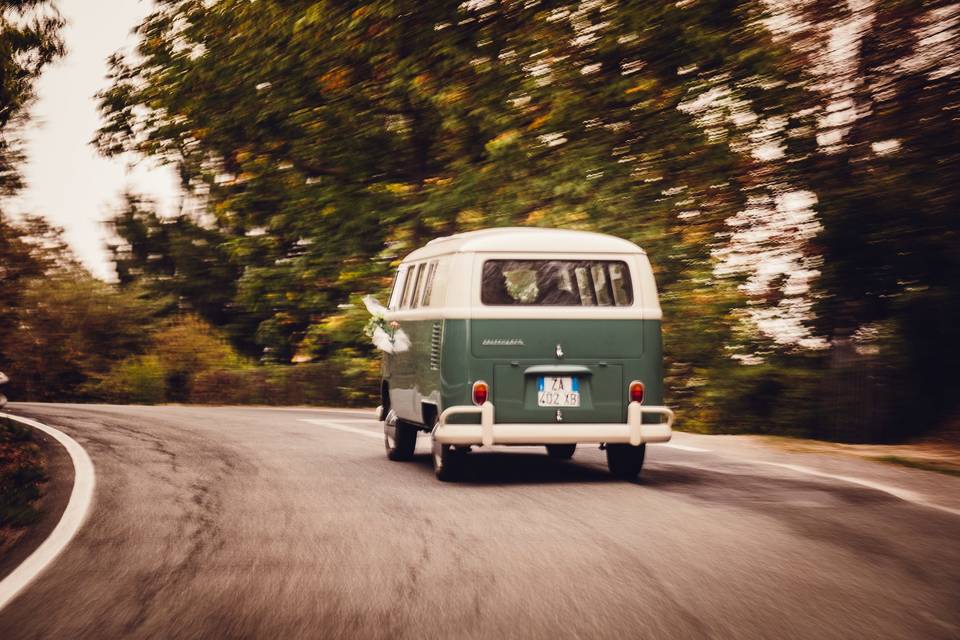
(254, 523)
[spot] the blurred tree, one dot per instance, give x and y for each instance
(323, 140)
(71, 328)
(178, 351)
(29, 40)
(885, 171)
(28, 251)
(347, 133)
(182, 265)
(17, 263)
(186, 348)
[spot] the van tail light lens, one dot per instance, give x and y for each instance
(481, 392)
(636, 391)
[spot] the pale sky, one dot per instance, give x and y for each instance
(67, 181)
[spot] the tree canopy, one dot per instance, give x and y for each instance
(791, 168)
(797, 196)
(29, 40)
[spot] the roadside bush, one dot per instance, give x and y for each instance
(177, 353)
(188, 347)
(72, 330)
(136, 380)
(780, 397)
(21, 472)
(341, 382)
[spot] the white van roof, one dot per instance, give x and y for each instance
(524, 240)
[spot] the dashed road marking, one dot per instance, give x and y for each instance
(81, 497)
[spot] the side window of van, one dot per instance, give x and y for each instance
(397, 293)
(408, 287)
(601, 284)
(417, 287)
(438, 284)
(428, 283)
(620, 280)
(585, 287)
(557, 283)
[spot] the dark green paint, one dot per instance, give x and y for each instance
(604, 354)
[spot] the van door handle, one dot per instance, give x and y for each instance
(558, 369)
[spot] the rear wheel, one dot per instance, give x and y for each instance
(561, 451)
(625, 461)
(399, 437)
(447, 461)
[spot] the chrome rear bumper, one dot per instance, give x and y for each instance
(490, 432)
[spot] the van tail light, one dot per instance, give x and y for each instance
(481, 392)
(636, 391)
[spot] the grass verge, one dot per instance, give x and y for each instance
(22, 472)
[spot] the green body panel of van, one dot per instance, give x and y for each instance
(414, 374)
(511, 354)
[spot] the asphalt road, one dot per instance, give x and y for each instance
(254, 523)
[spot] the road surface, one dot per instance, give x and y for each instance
(291, 523)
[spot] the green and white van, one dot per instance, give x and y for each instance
(525, 336)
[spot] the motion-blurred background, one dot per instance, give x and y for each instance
(792, 169)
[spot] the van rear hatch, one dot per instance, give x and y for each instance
(542, 366)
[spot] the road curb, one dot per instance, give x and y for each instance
(78, 507)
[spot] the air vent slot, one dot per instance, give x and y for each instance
(436, 339)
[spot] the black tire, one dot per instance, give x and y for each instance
(448, 462)
(399, 438)
(561, 451)
(625, 461)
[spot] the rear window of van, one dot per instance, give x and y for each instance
(556, 283)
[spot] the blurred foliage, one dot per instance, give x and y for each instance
(70, 328)
(321, 141)
(59, 326)
(29, 40)
(21, 473)
(186, 348)
(791, 169)
(324, 147)
(179, 350)
(137, 379)
(335, 383)
(889, 294)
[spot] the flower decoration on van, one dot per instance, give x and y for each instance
(386, 336)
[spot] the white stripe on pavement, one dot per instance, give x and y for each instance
(81, 497)
(342, 427)
(904, 494)
(683, 447)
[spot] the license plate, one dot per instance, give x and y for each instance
(558, 392)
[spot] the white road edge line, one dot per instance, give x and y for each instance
(683, 447)
(342, 427)
(363, 412)
(81, 497)
(903, 494)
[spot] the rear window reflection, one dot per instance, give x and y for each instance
(556, 283)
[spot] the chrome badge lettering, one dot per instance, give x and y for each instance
(502, 342)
